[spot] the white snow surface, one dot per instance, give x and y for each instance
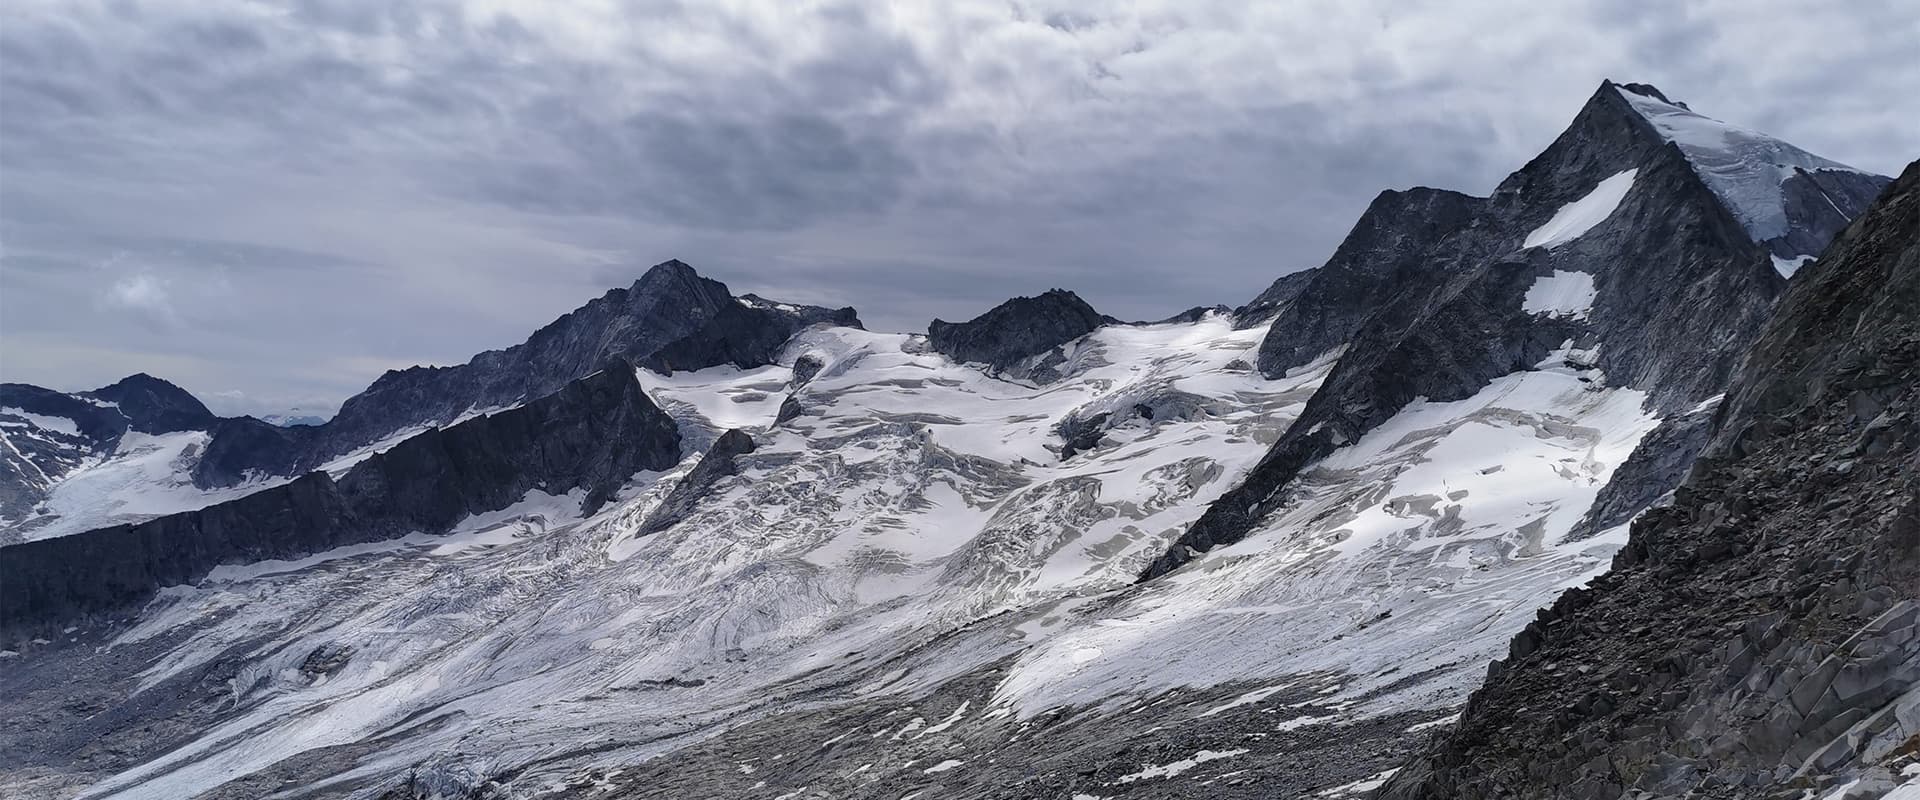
(1562, 294)
(1574, 219)
(1745, 168)
(44, 421)
(915, 523)
(1788, 266)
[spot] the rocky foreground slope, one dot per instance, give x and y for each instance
(1233, 554)
(1761, 634)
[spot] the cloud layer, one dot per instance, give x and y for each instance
(277, 201)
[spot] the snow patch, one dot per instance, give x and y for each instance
(1562, 294)
(1361, 786)
(1788, 266)
(1247, 699)
(1175, 768)
(1574, 219)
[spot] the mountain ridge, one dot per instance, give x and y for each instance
(670, 318)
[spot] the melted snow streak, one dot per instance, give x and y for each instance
(1574, 219)
(1744, 167)
(913, 523)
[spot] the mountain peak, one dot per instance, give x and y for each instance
(154, 405)
(672, 267)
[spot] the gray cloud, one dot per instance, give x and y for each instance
(274, 202)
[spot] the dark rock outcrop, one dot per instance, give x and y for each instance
(1435, 310)
(805, 368)
(1760, 637)
(746, 334)
(670, 319)
(1078, 434)
(719, 462)
(1018, 337)
(1819, 204)
(244, 448)
(593, 435)
(1390, 245)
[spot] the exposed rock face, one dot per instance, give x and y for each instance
(1759, 638)
(1670, 290)
(1018, 338)
(592, 434)
(1194, 314)
(1393, 243)
(670, 319)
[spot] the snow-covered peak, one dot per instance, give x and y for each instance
(1747, 169)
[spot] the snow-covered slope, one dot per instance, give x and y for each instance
(1418, 550)
(910, 497)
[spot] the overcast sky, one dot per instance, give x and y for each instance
(271, 203)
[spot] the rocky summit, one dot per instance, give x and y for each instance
(1020, 337)
(1602, 485)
